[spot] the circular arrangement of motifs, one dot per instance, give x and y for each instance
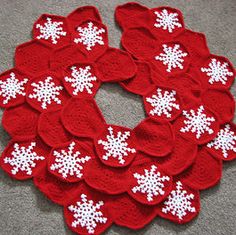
(102, 173)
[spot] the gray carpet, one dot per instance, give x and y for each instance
(23, 209)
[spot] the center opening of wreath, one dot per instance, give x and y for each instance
(120, 107)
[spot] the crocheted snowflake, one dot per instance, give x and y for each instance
(116, 146)
(198, 122)
(217, 71)
(23, 159)
(45, 92)
(225, 141)
(51, 30)
(179, 202)
(81, 79)
(69, 162)
(12, 87)
(151, 183)
(90, 36)
(163, 103)
(167, 21)
(172, 57)
(87, 214)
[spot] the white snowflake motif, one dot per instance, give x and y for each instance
(87, 214)
(179, 202)
(51, 30)
(151, 183)
(198, 122)
(90, 36)
(225, 141)
(23, 159)
(172, 57)
(12, 87)
(163, 103)
(116, 147)
(45, 92)
(69, 162)
(217, 72)
(167, 21)
(81, 79)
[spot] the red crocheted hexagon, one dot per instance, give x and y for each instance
(52, 30)
(115, 146)
(68, 161)
(154, 138)
(13, 85)
(24, 159)
(149, 183)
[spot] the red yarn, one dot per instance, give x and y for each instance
(82, 117)
(142, 80)
(51, 129)
(154, 138)
(64, 57)
(204, 173)
(32, 57)
(21, 121)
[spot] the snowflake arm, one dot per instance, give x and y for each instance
(46, 92)
(12, 87)
(69, 162)
(81, 80)
(172, 57)
(197, 123)
(87, 214)
(116, 146)
(163, 104)
(151, 183)
(51, 30)
(224, 141)
(217, 72)
(90, 36)
(167, 21)
(24, 159)
(179, 202)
